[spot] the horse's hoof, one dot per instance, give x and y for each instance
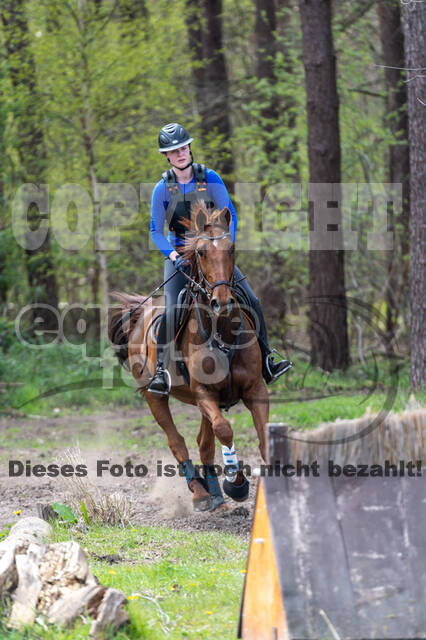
(224, 511)
(238, 492)
(202, 504)
(216, 503)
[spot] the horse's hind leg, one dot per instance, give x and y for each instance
(256, 400)
(206, 443)
(159, 406)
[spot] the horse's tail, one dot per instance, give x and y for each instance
(123, 321)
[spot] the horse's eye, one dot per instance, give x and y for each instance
(201, 253)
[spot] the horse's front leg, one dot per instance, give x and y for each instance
(206, 445)
(256, 399)
(159, 406)
(235, 484)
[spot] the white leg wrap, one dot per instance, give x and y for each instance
(230, 461)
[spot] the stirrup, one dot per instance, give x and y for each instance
(274, 376)
(160, 370)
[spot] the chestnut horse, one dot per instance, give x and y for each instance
(218, 344)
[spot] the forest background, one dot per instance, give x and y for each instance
(274, 93)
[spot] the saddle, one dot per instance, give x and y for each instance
(184, 304)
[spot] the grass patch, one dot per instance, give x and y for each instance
(140, 434)
(66, 377)
(87, 385)
(180, 585)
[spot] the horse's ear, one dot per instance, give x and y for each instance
(200, 220)
(225, 217)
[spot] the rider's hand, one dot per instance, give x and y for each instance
(180, 263)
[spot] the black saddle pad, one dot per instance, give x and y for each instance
(183, 303)
(180, 314)
(241, 296)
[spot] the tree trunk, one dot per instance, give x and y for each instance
(328, 317)
(193, 16)
(31, 150)
(266, 50)
(89, 147)
(399, 162)
(3, 224)
(211, 78)
(271, 115)
(414, 14)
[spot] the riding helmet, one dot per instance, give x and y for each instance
(173, 136)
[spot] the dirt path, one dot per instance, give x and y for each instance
(117, 437)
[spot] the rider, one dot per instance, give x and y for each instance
(181, 186)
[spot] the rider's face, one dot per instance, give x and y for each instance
(179, 157)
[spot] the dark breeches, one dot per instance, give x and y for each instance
(172, 290)
(255, 305)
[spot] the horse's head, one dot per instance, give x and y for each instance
(211, 252)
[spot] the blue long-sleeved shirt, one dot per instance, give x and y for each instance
(216, 190)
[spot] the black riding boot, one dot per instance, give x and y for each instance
(161, 382)
(271, 370)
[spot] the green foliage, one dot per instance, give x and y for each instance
(125, 70)
(78, 383)
(84, 513)
(61, 376)
(7, 334)
(65, 512)
(5, 531)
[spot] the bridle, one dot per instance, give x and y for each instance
(205, 286)
(208, 287)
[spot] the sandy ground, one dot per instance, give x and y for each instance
(152, 500)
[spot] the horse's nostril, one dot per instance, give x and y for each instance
(231, 301)
(215, 304)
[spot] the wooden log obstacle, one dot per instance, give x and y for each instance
(340, 556)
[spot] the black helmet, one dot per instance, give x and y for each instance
(173, 136)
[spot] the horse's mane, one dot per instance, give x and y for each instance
(201, 219)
